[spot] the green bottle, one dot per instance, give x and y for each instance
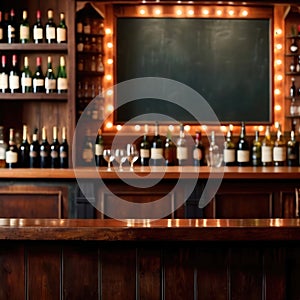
(50, 80)
(26, 77)
(62, 81)
(24, 29)
(61, 30)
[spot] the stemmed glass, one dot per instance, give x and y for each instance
(120, 157)
(108, 155)
(132, 155)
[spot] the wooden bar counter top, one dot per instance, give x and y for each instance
(157, 172)
(155, 230)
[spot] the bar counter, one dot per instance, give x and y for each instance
(154, 172)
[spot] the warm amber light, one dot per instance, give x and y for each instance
(219, 12)
(187, 128)
(137, 127)
(244, 13)
(205, 11)
(108, 77)
(278, 61)
(278, 31)
(109, 92)
(109, 125)
(277, 107)
(157, 11)
(223, 128)
(142, 11)
(109, 45)
(110, 61)
(261, 128)
(231, 12)
(277, 91)
(119, 127)
(171, 127)
(190, 12)
(108, 31)
(178, 12)
(278, 46)
(110, 108)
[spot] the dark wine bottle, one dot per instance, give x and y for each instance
(170, 151)
(64, 150)
(11, 157)
(145, 149)
(12, 28)
(198, 151)
(38, 30)
(50, 28)
(50, 80)
(24, 150)
(38, 79)
(293, 90)
(292, 151)
(181, 148)
(26, 77)
(156, 153)
(243, 149)
(44, 150)
(3, 75)
(54, 150)
(87, 154)
(229, 151)
(34, 151)
(61, 30)
(256, 150)
(99, 146)
(279, 149)
(2, 29)
(62, 81)
(24, 29)
(14, 76)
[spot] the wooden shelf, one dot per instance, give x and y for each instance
(34, 97)
(35, 47)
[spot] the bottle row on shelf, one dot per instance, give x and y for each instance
(159, 151)
(14, 80)
(34, 154)
(294, 91)
(19, 30)
(92, 63)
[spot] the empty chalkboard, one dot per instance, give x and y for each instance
(227, 61)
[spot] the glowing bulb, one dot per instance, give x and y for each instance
(142, 11)
(109, 45)
(108, 31)
(137, 127)
(261, 128)
(109, 125)
(171, 127)
(219, 12)
(279, 77)
(205, 11)
(277, 107)
(110, 108)
(278, 62)
(119, 127)
(190, 12)
(204, 127)
(108, 77)
(187, 128)
(178, 12)
(110, 61)
(278, 31)
(157, 11)
(244, 13)
(179, 1)
(223, 128)
(109, 92)
(231, 12)
(279, 46)
(277, 91)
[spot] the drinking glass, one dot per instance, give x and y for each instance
(132, 155)
(120, 157)
(108, 155)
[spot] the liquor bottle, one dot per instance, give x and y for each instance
(182, 149)
(64, 150)
(24, 29)
(213, 152)
(293, 107)
(24, 150)
(145, 149)
(267, 149)
(26, 77)
(38, 30)
(292, 151)
(293, 90)
(298, 65)
(256, 150)
(170, 151)
(3, 76)
(14, 76)
(38, 79)
(50, 28)
(198, 151)
(12, 28)
(229, 151)
(44, 150)
(50, 80)
(292, 66)
(279, 149)
(99, 146)
(156, 151)
(62, 81)
(243, 149)
(3, 147)
(11, 155)
(293, 46)
(2, 40)
(54, 150)
(34, 151)
(87, 154)
(61, 30)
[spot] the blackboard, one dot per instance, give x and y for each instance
(227, 61)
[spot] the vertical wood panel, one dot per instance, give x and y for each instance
(179, 273)
(149, 273)
(80, 271)
(43, 274)
(246, 273)
(212, 279)
(293, 273)
(12, 271)
(118, 273)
